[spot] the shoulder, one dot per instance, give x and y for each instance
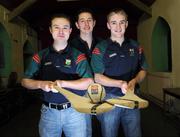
(78, 55)
(76, 52)
(133, 43)
(102, 45)
(37, 57)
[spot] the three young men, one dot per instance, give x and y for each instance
(118, 64)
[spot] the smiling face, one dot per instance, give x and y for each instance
(117, 24)
(60, 29)
(85, 23)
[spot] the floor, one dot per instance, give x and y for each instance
(154, 123)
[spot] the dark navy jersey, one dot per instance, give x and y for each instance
(118, 62)
(69, 64)
(82, 46)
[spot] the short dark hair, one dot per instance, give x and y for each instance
(59, 15)
(117, 11)
(84, 10)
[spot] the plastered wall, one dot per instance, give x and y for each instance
(18, 33)
(155, 81)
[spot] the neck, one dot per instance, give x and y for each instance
(88, 38)
(118, 40)
(60, 45)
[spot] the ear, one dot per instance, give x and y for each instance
(50, 29)
(77, 25)
(94, 23)
(70, 30)
(127, 24)
(108, 26)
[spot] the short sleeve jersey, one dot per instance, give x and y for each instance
(118, 62)
(69, 64)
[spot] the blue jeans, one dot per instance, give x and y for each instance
(53, 122)
(129, 119)
(89, 125)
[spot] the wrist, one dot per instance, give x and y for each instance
(39, 84)
(121, 82)
(63, 84)
(135, 81)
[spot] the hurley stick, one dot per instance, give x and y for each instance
(83, 104)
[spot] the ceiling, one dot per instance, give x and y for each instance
(36, 12)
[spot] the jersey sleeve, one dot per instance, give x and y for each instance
(142, 59)
(83, 69)
(33, 67)
(142, 63)
(97, 62)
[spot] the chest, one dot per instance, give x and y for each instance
(120, 60)
(59, 63)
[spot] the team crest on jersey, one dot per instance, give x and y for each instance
(131, 52)
(67, 63)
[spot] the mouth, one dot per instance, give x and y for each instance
(61, 36)
(87, 28)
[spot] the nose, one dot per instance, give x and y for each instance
(119, 26)
(86, 23)
(60, 30)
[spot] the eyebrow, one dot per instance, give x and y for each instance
(84, 18)
(55, 25)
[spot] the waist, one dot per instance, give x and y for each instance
(57, 106)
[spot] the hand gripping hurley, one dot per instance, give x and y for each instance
(95, 103)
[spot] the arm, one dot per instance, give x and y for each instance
(80, 84)
(37, 84)
(84, 72)
(109, 82)
(137, 80)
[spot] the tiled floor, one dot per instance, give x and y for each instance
(25, 123)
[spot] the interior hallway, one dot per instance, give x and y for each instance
(25, 123)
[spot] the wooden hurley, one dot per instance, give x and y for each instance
(129, 100)
(85, 105)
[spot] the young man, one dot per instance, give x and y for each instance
(68, 68)
(85, 42)
(119, 64)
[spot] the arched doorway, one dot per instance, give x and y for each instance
(6, 49)
(161, 46)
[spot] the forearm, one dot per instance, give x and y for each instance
(140, 76)
(30, 83)
(106, 81)
(80, 84)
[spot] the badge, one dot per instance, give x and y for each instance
(47, 63)
(68, 63)
(131, 52)
(112, 55)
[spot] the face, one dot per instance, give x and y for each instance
(85, 23)
(117, 24)
(60, 29)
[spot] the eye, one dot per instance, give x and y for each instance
(123, 22)
(65, 28)
(89, 20)
(113, 22)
